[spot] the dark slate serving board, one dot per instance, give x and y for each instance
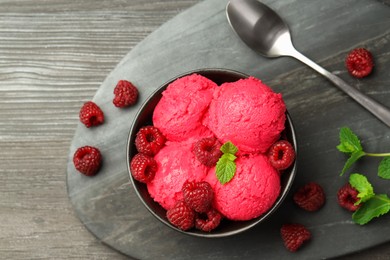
(200, 37)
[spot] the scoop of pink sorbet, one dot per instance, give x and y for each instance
(252, 191)
(247, 113)
(176, 164)
(180, 112)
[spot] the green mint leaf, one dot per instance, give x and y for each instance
(230, 156)
(351, 160)
(225, 169)
(374, 207)
(363, 186)
(349, 142)
(229, 147)
(384, 168)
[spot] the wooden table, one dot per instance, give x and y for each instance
(53, 57)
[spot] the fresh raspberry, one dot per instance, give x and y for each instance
(143, 167)
(87, 160)
(91, 114)
(359, 62)
(294, 235)
(181, 216)
(126, 94)
(310, 197)
(208, 221)
(149, 140)
(207, 150)
(281, 155)
(198, 195)
(347, 197)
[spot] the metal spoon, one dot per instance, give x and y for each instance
(264, 31)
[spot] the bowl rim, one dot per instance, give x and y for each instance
(255, 221)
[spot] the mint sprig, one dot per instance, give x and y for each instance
(384, 168)
(351, 160)
(226, 167)
(363, 186)
(372, 205)
(350, 144)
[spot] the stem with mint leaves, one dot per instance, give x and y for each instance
(350, 144)
(371, 205)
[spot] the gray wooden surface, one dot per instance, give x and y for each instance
(54, 55)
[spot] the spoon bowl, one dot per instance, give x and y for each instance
(262, 29)
(262, 21)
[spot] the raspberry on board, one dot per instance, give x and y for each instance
(208, 221)
(149, 140)
(181, 216)
(207, 151)
(125, 94)
(91, 114)
(359, 62)
(281, 155)
(347, 196)
(143, 167)
(294, 236)
(87, 160)
(198, 195)
(310, 197)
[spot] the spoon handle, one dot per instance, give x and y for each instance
(376, 108)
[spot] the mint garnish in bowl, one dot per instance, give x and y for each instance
(226, 167)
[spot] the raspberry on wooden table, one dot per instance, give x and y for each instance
(87, 160)
(347, 196)
(198, 195)
(359, 62)
(310, 197)
(91, 114)
(143, 167)
(181, 216)
(126, 94)
(294, 236)
(149, 140)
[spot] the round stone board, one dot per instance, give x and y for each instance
(200, 37)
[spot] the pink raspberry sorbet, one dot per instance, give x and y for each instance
(180, 112)
(176, 164)
(247, 113)
(252, 191)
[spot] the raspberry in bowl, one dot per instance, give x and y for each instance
(213, 160)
